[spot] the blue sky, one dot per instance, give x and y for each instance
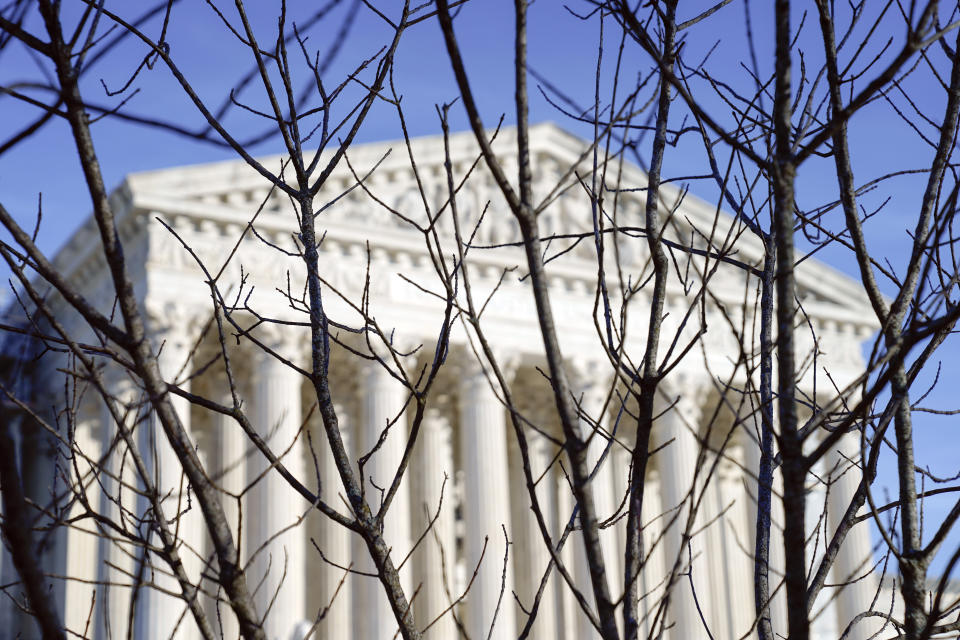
(562, 48)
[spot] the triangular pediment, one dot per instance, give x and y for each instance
(231, 192)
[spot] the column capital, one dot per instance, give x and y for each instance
(542, 450)
(344, 419)
(173, 330)
(731, 462)
(687, 392)
(588, 372)
(172, 320)
(436, 419)
(116, 378)
(681, 382)
(589, 380)
(473, 371)
(289, 342)
(537, 442)
(404, 350)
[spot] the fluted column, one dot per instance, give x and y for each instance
(486, 508)
(824, 622)
(715, 552)
(116, 559)
(231, 468)
(736, 527)
(530, 552)
(589, 386)
(435, 560)
(160, 615)
(41, 461)
(855, 557)
(570, 609)
(654, 572)
(82, 538)
(274, 509)
(382, 404)
(230, 473)
(751, 460)
(678, 464)
(620, 458)
(335, 587)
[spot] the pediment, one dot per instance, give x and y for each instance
(231, 192)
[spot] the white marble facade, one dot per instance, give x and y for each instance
(465, 475)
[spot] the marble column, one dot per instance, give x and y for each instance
(435, 560)
(738, 553)
(196, 547)
(230, 474)
(855, 558)
(117, 501)
(589, 386)
(727, 545)
(620, 458)
(823, 623)
(41, 460)
(335, 586)
(160, 615)
(653, 575)
(382, 404)
(569, 608)
(39, 457)
(274, 510)
(715, 552)
(751, 463)
(678, 465)
(486, 505)
(532, 557)
(82, 539)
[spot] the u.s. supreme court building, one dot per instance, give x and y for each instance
(464, 475)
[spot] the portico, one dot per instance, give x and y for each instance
(460, 524)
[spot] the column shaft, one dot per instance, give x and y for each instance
(678, 469)
(382, 404)
(855, 557)
(335, 585)
(620, 460)
(274, 510)
(435, 560)
(738, 555)
(483, 447)
(231, 469)
(570, 609)
(530, 551)
(823, 623)
(230, 473)
(751, 458)
(716, 553)
(116, 565)
(82, 538)
(591, 395)
(654, 573)
(162, 616)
